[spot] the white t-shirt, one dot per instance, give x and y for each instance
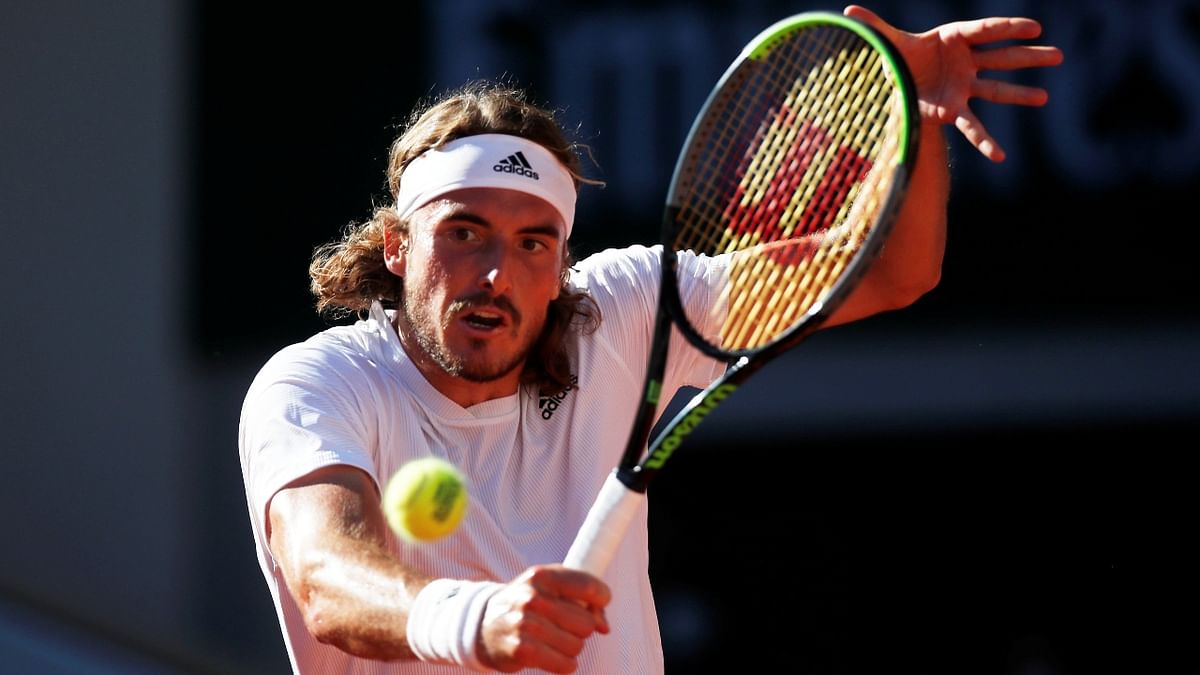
(534, 465)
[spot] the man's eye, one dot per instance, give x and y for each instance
(533, 245)
(462, 234)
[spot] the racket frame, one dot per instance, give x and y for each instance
(640, 463)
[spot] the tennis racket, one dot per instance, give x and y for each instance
(791, 174)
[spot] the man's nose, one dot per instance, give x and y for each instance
(494, 276)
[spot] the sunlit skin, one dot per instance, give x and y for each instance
(480, 268)
(947, 61)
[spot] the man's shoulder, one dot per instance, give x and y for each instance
(633, 253)
(335, 348)
(634, 264)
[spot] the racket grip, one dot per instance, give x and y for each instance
(605, 526)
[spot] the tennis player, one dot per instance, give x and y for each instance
(479, 340)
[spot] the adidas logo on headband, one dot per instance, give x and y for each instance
(516, 163)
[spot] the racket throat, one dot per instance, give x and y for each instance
(686, 421)
(633, 478)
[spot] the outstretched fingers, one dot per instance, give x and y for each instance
(997, 91)
(977, 134)
(1015, 58)
(946, 63)
(995, 29)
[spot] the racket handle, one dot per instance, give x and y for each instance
(604, 527)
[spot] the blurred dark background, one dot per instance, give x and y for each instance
(995, 480)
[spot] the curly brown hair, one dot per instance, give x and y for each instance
(348, 275)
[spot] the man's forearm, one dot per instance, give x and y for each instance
(357, 597)
(920, 231)
(327, 534)
(910, 262)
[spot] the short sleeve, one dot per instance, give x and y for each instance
(625, 283)
(300, 414)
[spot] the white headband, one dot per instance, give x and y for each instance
(491, 161)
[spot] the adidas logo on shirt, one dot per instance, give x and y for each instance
(516, 163)
(549, 404)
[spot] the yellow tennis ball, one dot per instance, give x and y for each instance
(425, 499)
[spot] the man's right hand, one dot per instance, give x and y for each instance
(542, 619)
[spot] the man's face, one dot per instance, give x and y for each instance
(480, 267)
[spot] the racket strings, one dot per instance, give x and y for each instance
(795, 194)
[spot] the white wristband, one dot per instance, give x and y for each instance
(443, 625)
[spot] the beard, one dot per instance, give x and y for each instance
(473, 365)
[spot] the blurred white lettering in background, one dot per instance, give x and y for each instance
(1125, 104)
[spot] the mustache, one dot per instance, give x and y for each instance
(484, 300)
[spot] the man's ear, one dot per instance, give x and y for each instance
(395, 251)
